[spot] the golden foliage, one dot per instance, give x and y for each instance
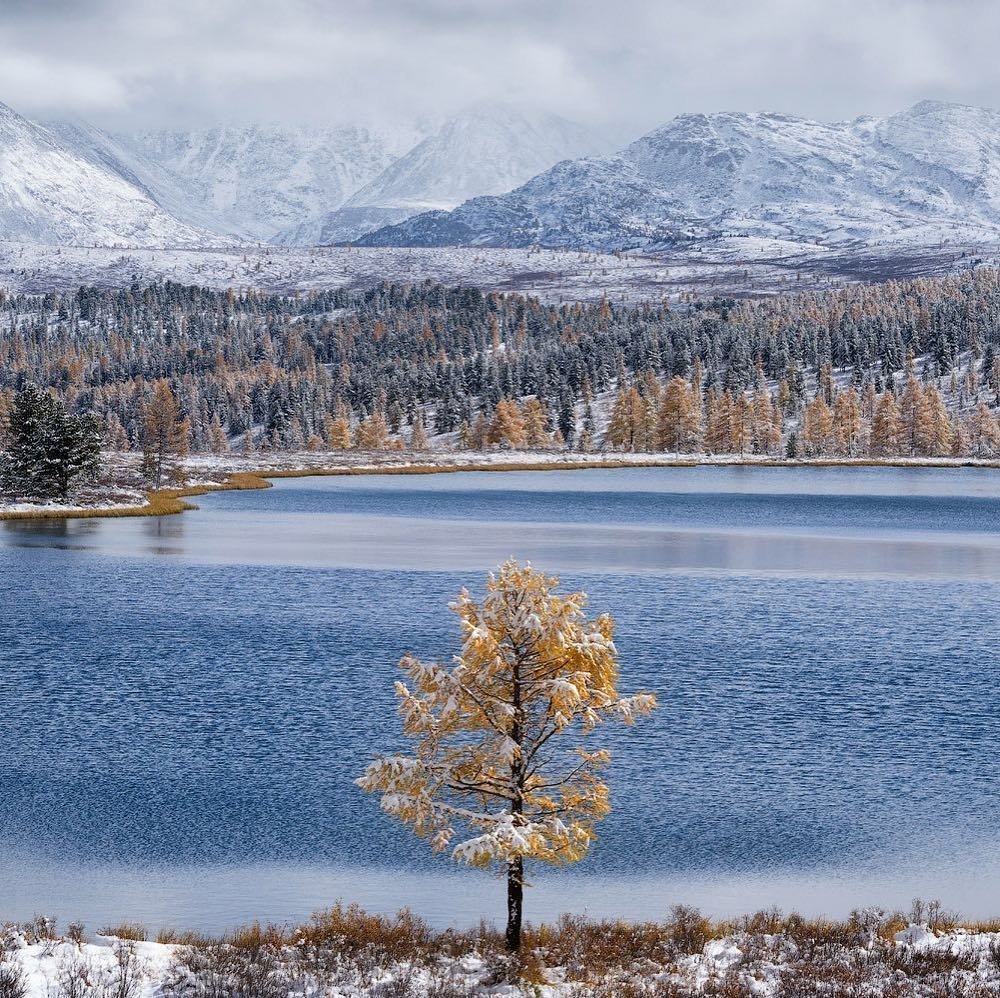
(488, 756)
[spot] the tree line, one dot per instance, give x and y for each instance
(898, 367)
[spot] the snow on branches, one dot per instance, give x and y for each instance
(487, 761)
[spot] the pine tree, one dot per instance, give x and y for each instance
(566, 422)
(49, 450)
(489, 732)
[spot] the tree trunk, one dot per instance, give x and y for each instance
(515, 903)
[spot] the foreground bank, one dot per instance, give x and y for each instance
(345, 952)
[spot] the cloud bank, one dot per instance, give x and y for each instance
(628, 64)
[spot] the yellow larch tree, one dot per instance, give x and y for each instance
(337, 429)
(373, 432)
(418, 436)
(166, 435)
(535, 418)
(817, 427)
(718, 422)
(627, 426)
(680, 417)
(499, 772)
(936, 435)
(848, 426)
(983, 432)
(915, 418)
(887, 427)
(507, 426)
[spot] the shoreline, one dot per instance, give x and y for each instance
(345, 950)
(172, 501)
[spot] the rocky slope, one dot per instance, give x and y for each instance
(486, 149)
(925, 176)
(56, 188)
(256, 181)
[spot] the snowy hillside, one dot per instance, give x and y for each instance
(255, 181)
(171, 192)
(486, 149)
(921, 177)
(58, 191)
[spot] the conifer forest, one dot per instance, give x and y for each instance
(898, 368)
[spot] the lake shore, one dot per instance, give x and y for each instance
(345, 951)
(121, 493)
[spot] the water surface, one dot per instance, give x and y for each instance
(185, 700)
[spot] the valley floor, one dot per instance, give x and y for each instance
(344, 953)
(738, 266)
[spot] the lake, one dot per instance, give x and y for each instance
(184, 701)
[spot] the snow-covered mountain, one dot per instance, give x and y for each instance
(486, 149)
(56, 187)
(924, 175)
(256, 181)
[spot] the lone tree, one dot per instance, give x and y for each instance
(165, 435)
(498, 739)
(48, 449)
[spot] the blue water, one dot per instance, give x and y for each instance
(197, 693)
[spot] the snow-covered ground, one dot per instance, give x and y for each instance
(734, 266)
(822, 958)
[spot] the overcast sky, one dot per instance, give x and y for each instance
(634, 63)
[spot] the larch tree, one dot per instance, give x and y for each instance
(418, 436)
(680, 417)
(817, 426)
(507, 426)
(500, 762)
(984, 432)
(337, 429)
(373, 432)
(627, 425)
(848, 426)
(887, 426)
(535, 418)
(166, 436)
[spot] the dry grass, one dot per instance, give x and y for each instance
(135, 931)
(159, 502)
(346, 950)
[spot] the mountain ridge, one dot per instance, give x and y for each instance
(760, 174)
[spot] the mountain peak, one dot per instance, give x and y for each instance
(926, 174)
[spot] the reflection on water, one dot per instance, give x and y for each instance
(634, 520)
(185, 700)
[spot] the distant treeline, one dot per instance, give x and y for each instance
(896, 368)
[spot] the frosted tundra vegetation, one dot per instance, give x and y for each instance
(497, 737)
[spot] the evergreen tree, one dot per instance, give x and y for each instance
(48, 450)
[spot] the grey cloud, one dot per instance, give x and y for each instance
(630, 63)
